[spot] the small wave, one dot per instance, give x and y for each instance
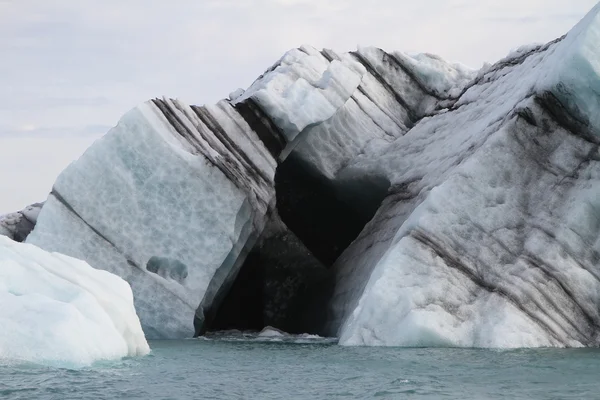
(268, 335)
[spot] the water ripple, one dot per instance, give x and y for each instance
(247, 368)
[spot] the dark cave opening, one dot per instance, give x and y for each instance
(325, 215)
(286, 280)
(280, 284)
(242, 307)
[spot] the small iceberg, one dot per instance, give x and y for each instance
(59, 311)
(270, 332)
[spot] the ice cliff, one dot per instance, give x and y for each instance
(385, 198)
(57, 310)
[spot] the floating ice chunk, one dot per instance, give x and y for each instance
(57, 310)
(269, 331)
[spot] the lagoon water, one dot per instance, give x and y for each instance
(247, 367)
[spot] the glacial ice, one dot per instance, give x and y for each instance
(199, 180)
(18, 225)
(196, 208)
(57, 310)
(487, 235)
(304, 89)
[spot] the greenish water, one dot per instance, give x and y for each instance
(317, 369)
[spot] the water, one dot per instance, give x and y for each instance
(250, 368)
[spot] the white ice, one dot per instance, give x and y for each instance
(444, 79)
(57, 310)
(304, 89)
(269, 331)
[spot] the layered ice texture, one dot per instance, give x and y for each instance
(57, 310)
(174, 197)
(487, 235)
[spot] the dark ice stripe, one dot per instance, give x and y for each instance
(62, 200)
(370, 69)
(211, 123)
(271, 136)
(453, 262)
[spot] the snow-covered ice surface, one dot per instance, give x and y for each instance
(57, 310)
(305, 89)
(488, 235)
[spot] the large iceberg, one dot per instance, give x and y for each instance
(57, 310)
(453, 207)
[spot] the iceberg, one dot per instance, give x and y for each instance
(425, 203)
(59, 311)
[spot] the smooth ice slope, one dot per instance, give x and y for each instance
(57, 310)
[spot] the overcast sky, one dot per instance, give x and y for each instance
(70, 68)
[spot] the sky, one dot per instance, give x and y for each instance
(69, 69)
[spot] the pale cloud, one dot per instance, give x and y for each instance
(29, 165)
(69, 69)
